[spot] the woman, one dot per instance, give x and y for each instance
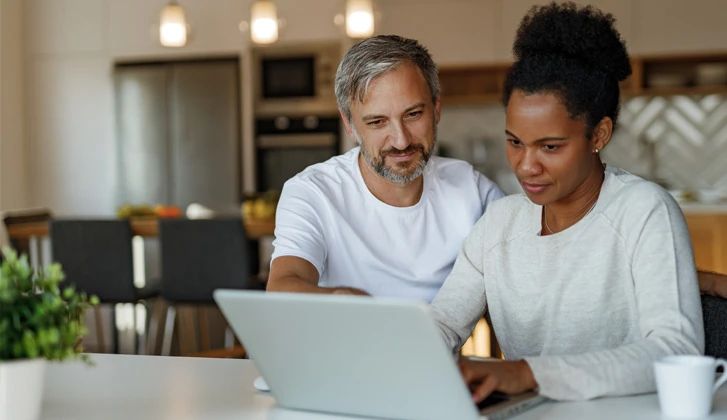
(589, 276)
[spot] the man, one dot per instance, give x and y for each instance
(386, 218)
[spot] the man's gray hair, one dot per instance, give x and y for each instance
(375, 56)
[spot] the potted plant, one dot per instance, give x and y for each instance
(38, 322)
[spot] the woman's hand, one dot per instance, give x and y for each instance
(484, 377)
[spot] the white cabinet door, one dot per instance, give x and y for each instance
(678, 26)
(454, 31)
(513, 11)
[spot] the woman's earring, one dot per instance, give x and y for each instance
(595, 151)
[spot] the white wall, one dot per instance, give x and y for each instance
(13, 181)
(72, 45)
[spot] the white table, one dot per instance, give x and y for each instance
(159, 388)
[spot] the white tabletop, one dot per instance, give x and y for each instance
(154, 387)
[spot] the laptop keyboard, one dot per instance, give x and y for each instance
(494, 398)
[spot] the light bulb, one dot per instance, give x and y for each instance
(264, 27)
(173, 26)
(359, 18)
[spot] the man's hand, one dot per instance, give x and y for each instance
(483, 377)
(349, 291)
(711, 283)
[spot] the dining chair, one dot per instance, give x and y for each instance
(96, 257)
(198, 257)
(714, 312)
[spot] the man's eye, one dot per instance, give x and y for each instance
(514, 142)
(415, 114)
(551, 147)
(375, 123)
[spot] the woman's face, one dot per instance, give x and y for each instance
(547, 149)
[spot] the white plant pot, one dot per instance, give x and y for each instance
(21, 389)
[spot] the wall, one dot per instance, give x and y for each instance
(72, 45)
(461, 32)
(13, 180)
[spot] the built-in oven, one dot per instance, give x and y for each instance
(287, 145)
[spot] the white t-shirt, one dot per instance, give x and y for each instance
(327, 216)
(589, 308)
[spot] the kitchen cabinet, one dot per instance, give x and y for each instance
(683, 74)
(472, 85)
(178, 133)
(456, 32)
(709, 240)
(673, 26)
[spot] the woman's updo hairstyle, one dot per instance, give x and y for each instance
(574, 52)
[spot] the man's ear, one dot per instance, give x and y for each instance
(347, 125)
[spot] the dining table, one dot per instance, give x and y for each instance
(125, 387)
(141, 226)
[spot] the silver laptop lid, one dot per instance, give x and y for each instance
(349, 354)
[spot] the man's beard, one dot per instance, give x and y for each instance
(379, 164)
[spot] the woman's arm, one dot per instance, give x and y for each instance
(461, 301)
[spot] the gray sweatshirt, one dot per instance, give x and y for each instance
(589, 308)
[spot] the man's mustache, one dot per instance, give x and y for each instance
(410, 149)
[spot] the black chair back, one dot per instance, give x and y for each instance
(714, 310)
(199, 256)
(96, 257)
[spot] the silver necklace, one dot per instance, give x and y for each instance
(545, 216)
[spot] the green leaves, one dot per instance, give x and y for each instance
(37, 319)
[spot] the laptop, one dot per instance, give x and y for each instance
(356, 355)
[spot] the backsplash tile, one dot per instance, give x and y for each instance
(680, 141)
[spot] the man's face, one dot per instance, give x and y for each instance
(396, 124)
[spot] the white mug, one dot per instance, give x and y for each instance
(686, 384)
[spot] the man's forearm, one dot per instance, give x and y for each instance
(712, 283)
(295, 285)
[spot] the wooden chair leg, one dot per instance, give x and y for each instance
(188, 331)
(204, 331)
(155, 320)
(168, 330)
(100, 338)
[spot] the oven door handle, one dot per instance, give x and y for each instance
(296, 140)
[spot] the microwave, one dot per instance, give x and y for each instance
(296, 79)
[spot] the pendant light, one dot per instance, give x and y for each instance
(264, 18)
(173, 26)
(359, 18)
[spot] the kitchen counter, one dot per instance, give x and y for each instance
(695, 207)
